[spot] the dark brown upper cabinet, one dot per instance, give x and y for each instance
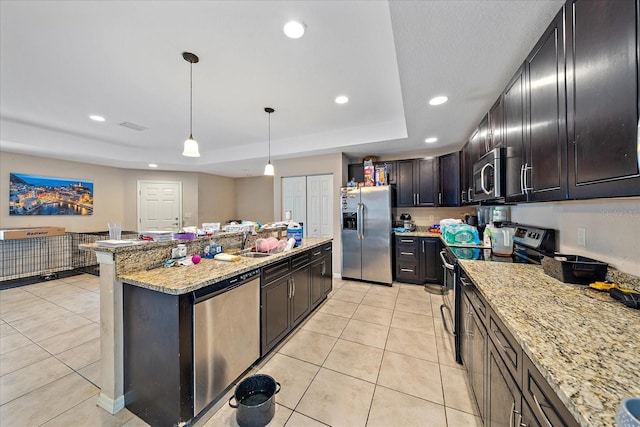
(545, 172)
(602, 98)
(514, 137)
(417, 182)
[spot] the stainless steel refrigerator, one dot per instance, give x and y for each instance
(366, 233)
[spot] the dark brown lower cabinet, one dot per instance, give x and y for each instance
(275, 312)
(503, 398)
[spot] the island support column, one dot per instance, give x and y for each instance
(111, 396)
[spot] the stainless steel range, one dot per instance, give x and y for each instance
(530, 245)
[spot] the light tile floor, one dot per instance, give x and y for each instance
(370, 356)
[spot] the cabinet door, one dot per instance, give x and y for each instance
(449, 180)
(466, 172)
(328, 274)
(478, 349)
(317, 282)
(514, 137)
(427, 182)
(503, 396)
(406, 195)
(300, 294)
(496, 122)
(430, 251)
(408, 259)
(275, 312)
(546, 165)
(602, 88)
(465, 348)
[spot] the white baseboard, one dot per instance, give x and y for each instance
(110, 405)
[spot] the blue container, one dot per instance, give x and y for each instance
(295, 231)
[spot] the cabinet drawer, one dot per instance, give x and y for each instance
(407, 240)
(327, 248)
(407, 271)
(302, 259)
(275, 271)
(407, 254)
(506, 344)
(543, 401)
(480, 305)
(316, 253)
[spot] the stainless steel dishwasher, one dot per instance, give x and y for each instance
(226, 335)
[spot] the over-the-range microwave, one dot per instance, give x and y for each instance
(488, 176)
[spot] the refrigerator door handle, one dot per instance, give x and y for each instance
(360, 221)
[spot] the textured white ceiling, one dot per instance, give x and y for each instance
(63, 60)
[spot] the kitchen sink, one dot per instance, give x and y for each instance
(254, 255)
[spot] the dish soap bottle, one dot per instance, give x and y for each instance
(486, 240)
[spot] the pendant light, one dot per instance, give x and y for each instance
(190, 145)
(268, 169)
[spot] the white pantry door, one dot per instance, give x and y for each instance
(294, 198)
(319, 206)
(159, 205)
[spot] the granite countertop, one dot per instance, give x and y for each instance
(586, 345)
(185, 279)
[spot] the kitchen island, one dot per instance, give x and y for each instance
(585, 346)
(148, 325)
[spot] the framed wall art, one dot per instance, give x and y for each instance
(44, 195)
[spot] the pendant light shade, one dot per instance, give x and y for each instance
(268, 168)
(190, 145)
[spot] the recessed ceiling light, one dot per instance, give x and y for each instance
(294, 29)
(97, 118)
(341, 99)
(431, 140)
(153, 165)
(438, 100)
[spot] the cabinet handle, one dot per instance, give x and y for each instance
(324, 268)
(505, 348)
(317, 253)
(293, 288)
(406, 270)
(469, 195)
(407, 240)
(465, 283)
(289, 288)
(423, 250)
(414, 199)
(406, 253)
(544, 416)
(439, 198)
(418, 197)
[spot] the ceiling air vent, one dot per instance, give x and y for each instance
(132, 126)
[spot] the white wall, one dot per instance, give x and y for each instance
(612, 228)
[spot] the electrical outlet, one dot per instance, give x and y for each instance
(582, 236)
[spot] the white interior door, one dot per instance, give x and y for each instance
(319, 206)
(159, 205)
(294, 198)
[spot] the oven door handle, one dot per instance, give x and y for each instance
(444, 322)
(445, 262)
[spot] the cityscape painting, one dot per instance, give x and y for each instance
(44, 195)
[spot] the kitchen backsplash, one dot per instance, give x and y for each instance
(429, 216)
